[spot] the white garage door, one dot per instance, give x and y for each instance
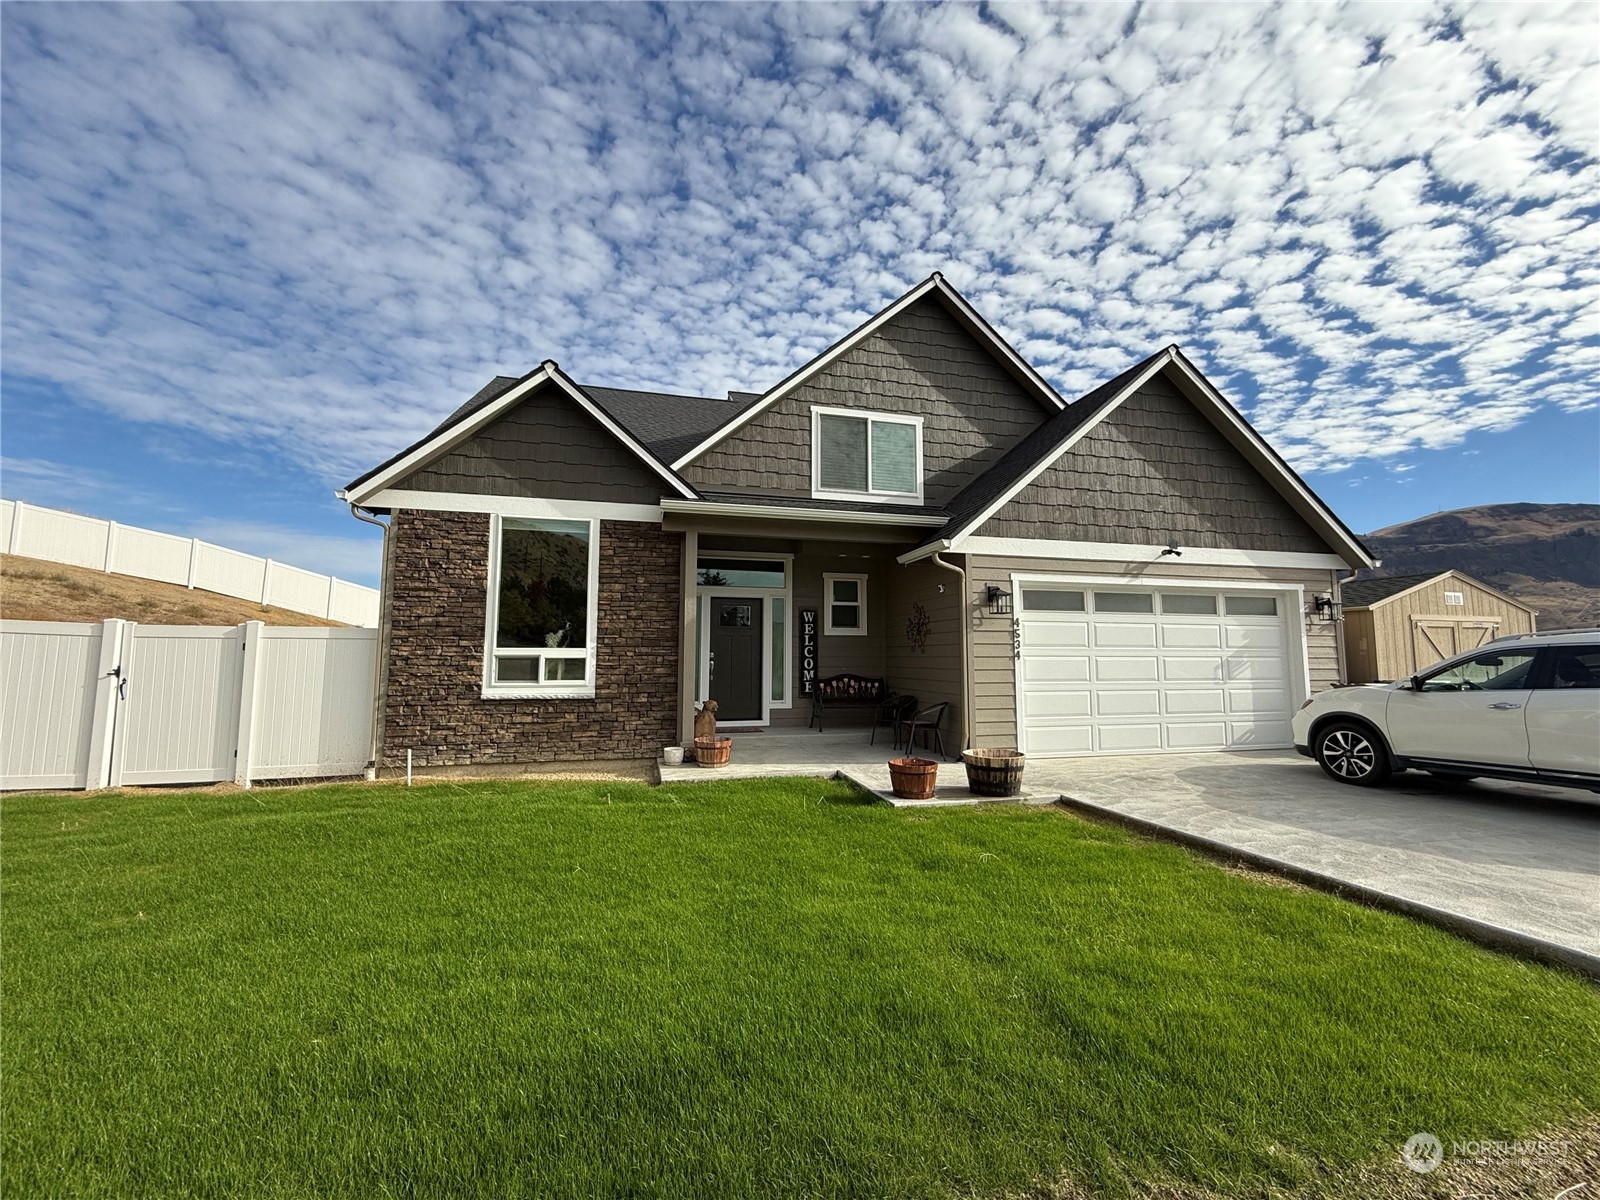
(1124, 670)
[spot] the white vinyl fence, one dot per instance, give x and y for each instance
(90, 706)
(79, 541)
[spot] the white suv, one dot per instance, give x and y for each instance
(1525, 707)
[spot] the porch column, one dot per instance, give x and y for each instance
(686, 631)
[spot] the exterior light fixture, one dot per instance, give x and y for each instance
(999, 601)
(1325, 608)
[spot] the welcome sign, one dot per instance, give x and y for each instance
(808, 651)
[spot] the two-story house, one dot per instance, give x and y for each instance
(569, 568)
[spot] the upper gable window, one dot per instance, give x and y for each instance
(857, 455)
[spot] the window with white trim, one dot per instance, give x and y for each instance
(845, 602)
(857, 455)
(543, 602)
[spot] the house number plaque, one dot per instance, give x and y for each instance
(808, 651)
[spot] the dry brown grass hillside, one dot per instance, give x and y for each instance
(34, 590)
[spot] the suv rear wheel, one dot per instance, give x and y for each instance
(1351, 753)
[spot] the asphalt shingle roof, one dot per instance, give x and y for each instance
(668, 424)
(1358, 593)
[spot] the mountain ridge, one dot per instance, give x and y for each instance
(1546, 555)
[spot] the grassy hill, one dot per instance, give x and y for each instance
(1546, 555)
(34, 590)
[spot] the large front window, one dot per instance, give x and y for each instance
(542, 606)
(866, 455)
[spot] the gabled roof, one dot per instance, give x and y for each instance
(1364, 593)
(954, 302)
(1358, 593)
(1030, 458)
(489, 403)
(666, 422)
(1022, 461)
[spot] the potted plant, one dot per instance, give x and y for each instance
(994, 772)
(713, 751)
(710, 750)
(913, 778)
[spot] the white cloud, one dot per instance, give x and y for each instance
(316, 229)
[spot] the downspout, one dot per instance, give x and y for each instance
(1339, 646)
(380, 668)
(966, 650)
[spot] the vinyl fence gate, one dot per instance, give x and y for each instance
(102, 705)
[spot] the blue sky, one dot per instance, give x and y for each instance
(251, 250)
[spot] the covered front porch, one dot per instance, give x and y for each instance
(774, 604)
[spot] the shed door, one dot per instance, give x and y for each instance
(1434, 639)
(1140, 670)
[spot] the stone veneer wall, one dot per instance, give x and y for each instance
(434, 704)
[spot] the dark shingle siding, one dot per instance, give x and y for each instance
(921, 363)
(545, 447)
(1154, 470)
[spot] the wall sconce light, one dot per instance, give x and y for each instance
(999, 601)
(1325, 608)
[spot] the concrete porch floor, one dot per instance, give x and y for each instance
(846, 752)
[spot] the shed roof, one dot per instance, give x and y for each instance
(1359, 593)
(1364, 593)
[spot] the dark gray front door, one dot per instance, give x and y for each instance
(736, 627)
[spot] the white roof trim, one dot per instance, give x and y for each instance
(1270, 466)
(514, 506)
(1119, 552)
(709, 508)
(968, 316)
(446, 439)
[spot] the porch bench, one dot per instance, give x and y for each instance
(846, 691)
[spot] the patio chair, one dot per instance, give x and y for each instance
(929, 721)
(893, 712)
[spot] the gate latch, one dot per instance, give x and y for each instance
(122, 681)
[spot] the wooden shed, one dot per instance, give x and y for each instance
(1398, 626)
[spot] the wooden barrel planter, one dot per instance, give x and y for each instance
(993, 772)
(913, 778)
(713, 751)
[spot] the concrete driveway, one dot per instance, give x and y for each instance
(1516, 857)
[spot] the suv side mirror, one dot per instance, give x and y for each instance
(1416, 683)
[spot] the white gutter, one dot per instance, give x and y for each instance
(781, 513)
(942, 546)
(966, 653)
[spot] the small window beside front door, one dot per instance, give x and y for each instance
(846, 597)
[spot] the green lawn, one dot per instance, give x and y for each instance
(726, 989)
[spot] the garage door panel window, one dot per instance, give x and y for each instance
(1251, 606)
(1051, 600)
(1189, 604)
(1124, 602)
